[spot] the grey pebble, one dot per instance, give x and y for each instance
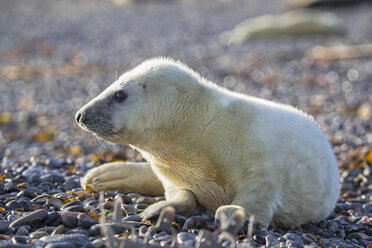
(20, 239)
(353, 228)
(52, 217)
(61, 245)
(12, 205)
(77, 239)
(140, 205)
(106, 205)
(38, 234)
(357, 236)
(26, 193)
(130, 209)
(59, 230)
(166, 243)
(307, 239)
(96, 229)
(294, 237)
(126, 199)
(85, 221)
(182, 237)
(22, 231)
(26, 205)
(146, 200)
(40, 215)
(72, 203)
(69, 219)
(3, 226)
(55, 202)
(136, 218)
(53, 177)
(332, 226)
(271, 240)
(71, 184)
(259, 239)
(75, 208)
(6, 244)
(99, 243)
(11, 217)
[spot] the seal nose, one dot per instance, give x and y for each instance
(78, 117)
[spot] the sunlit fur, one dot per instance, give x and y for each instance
(220, 149)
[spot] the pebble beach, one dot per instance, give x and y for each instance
(57, 55)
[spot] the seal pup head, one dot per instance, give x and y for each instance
(156, 96)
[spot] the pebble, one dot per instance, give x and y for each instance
(75, 208)
(36, 216)
(59, 230)
(26, 193)
(76, 239)
(23, 231)
(3, 226)
(5, 244)
(140, 205)
(53, 177)
(26, 205)
(183, 237)
(72, 203)
(259, 239)
(12, 205)
(356, 235)
(294, 237)
(69, 219)
(136, 218)
(271, 240)
(55, 202)
(61, 245)
(52, 217)
(96, 229)
(85, 221)
(38, 234)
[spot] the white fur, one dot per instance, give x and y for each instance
(222, 149)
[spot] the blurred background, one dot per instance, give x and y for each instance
(57, 55)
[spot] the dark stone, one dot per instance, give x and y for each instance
(26, 193)
(3, 226)
(126, 199)
(136, 218)
(36, 216)
(69, 219)
(356, 235)
(71, 184)
(96, 229)
(54, 177)
(76, 208)
(85, 221)
(26, 205)
(18, 239)
(259, 239)
(61, 245)
(78, 240)
(13, 205)
(52, 216)
(73, 203)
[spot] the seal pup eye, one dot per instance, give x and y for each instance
(120, 96)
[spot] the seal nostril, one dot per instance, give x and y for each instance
(78, 117)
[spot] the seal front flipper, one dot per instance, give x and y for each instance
(125, 176)
(182, 200)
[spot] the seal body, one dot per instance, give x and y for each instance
(212, 147)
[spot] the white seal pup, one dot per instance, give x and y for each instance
(207, 146)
